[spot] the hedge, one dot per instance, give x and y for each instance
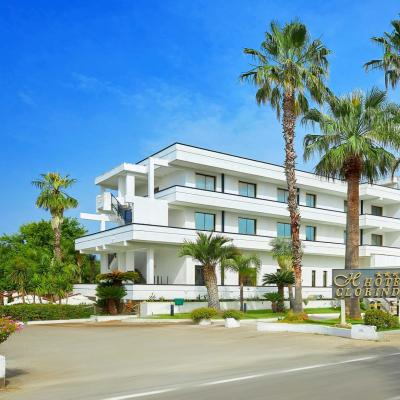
(45, 312)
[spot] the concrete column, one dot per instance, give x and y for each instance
(150, 266)
(121, 258)
(103, 263)
(121, 186)
(102, 189)
(130, 260)
(150, 178)
(130, 187)
(102, 225)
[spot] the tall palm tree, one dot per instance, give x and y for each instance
(289, 67)
(53, 198)
(355, 141)
(247, 267)
(390, 61)
(210, 250)
(281, 279)
(283, 254)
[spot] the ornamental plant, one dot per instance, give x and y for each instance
(8, 327)
(203, 313)
(381, 319)
(238, 315)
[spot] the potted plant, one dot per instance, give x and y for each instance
(232, 318)
(203, 315)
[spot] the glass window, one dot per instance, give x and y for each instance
(283, 229)
(325, 279)
(311, 200)
(345, 205)
(283, 195)
(376, 240)
(204, 221)
(205, 182)
(198, 275)
(313, 278)
(247, 189)
(311, 233)
(376, 210)
(344, 236)
(128, 216)
(247, 226)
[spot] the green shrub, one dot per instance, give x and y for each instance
(277, 301)
(203, 313)
(238, 315)
(109, 297)
(295, 317)
(45, 312)
(381, 319)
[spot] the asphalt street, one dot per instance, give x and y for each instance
(117, 361)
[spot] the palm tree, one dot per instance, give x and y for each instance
(283, 254)
(210, 250)
(53, 198)
(390, 61)
(353, 145)
(289, 66)
(247, 268)
(281, 279)
(19, 275)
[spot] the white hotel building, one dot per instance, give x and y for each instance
(147, 209)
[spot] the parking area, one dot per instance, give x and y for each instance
(117, 361)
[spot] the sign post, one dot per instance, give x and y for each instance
(342, 312)
(376, 283)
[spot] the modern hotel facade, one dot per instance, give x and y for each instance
(146, 210)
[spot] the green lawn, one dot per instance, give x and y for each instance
(256, 314)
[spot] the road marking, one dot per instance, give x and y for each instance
(291, 370)
(143, 394)
(255, 376)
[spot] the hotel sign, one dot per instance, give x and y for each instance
(361, 283)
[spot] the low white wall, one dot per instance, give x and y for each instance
(148, 308)
(192, 292)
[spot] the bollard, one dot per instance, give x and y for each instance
(172, 311)
(244, 307)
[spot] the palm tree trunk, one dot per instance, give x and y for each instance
(210, 280)
(288, 124)
(281, 303)
(291, 299)
(353, 233)
(57, 243)
(241, 294)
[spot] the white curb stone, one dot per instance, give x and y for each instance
(204, 322)
(232, 323)
(2, 371)
(364, 332)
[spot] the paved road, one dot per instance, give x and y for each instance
(121, 361)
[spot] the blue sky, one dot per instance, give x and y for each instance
(86, 85)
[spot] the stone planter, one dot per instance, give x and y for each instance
(232, 323)
(2, 371)
(205, 322)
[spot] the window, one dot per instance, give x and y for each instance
(325, 279)
(375, 210)
(204, 221)
(128, 216)
(283, 229)
(205, 182)
(198, 275)
(283, 195)
(345, 205)
(376, 240)
(361, 237)
(247, 226)
(311, 200)
(313, 278)
(311, 233)
(247, 189)
(344, 236)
